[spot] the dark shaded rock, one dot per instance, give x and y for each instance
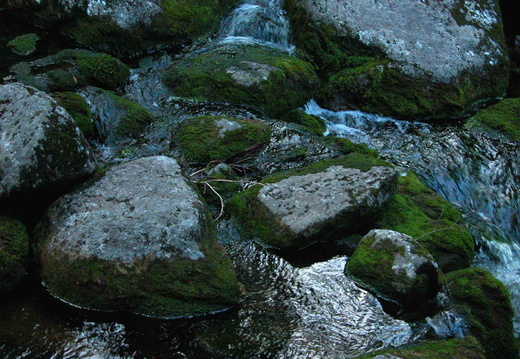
(14, 252)
(40, 144)
(294, 209)
(265, 78)
(396, 267)
(139, 240)
(423, 214)
(485, 303)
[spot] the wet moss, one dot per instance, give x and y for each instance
(265, 78)
(78, 108)
(134, 120)
(24, 44)
(346, 146)
(14, 252)
(424, 215)
(311, 123)
(467, 347)
(485, 303)
(502, 118)
(203, 140)
(102, 70)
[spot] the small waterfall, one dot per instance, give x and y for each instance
(258, 21)
(478, 174)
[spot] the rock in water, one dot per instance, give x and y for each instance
(396, 267)
(40, 145)
(138, 240)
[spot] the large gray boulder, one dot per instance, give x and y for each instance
(138, 240)
(297, 208)
(427, 56)
(40, 145)
(396, 267)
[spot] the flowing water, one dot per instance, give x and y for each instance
(478, 174)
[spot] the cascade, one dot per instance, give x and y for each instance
(478, 174)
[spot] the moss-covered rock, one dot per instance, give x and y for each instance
(210, 138)
(396, 267)
(140, 240)
(423, 214)
(24, 44)
(346, 146)
(311, 123)
(78, 108)
(502, 118)
(117, 119)
(14, 252)
(265, 78)
(485, 303)
(467, 348)
(295, 208)
(72, 69)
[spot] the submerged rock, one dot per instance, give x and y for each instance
(14, 252)
(485, 303)
(396, 267)
(294, 209)
(404, 59)
(40, 145)
(139, 240)
(268, 79)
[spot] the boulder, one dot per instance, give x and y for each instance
(501, 119)
(396, 267)
(293, 209)
(14, 252)
(139, 240)
(404, 59)
(419, 212)
(40, 145)
(485, 304)
(265, 78)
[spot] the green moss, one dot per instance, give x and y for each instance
(78, 108)
(311, 123)
(486, 305)
(267, 79)
(503, 118)
(102, 70)
(467, 348)
(24, 44)
(346, 146)
(423, 214)
(14, 250)
(134, 120)
(203, 140)
(256, 221)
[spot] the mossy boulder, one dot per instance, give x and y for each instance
(24, 44)
(139, 240)
(502, 118)
(79, 109)
(212, 138)
(41, 146)
(14, 252)
(423, 214)
(295, 208)
(467, 348)
(265, 78)
(70, 69)
(116, 118)
(396, 267)
(485, 303)
(404, 71)
(311, 123)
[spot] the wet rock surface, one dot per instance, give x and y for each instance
(40, 144)
(138, 240)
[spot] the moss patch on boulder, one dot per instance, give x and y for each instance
(485, 303)
(78, 108)
(24, 44)
(467, 348)
(210, 138)
(311, 123)
(14, 251)
(502, 118)
(257, 221)
(423, 214)
(265, 78)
